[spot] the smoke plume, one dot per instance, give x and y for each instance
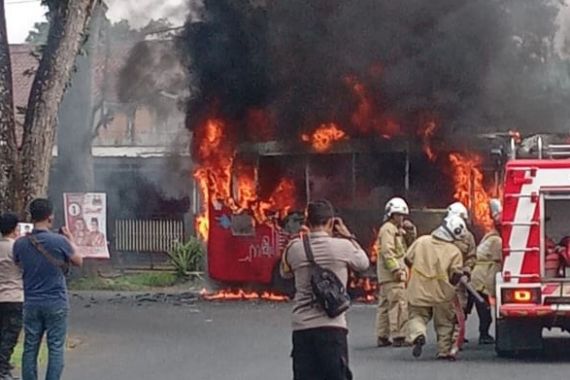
(369, 65)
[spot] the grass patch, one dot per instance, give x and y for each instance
(16, 358)
(129, 282)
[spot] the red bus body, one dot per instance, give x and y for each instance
(237, 257)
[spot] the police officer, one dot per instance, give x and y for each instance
(395, 235)
(437, 267)
(489, 255)
(468, 248)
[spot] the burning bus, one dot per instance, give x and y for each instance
(253, 196)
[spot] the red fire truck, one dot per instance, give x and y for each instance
(533, 289)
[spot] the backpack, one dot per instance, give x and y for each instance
(328, 291)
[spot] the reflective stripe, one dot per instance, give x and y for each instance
(392, 264)
(436, 277)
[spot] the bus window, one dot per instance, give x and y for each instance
(242, 225)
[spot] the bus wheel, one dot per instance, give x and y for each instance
(281, 285)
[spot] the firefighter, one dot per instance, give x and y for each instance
(437, 267)
(394, 237)
(489, 255)
(468, 248)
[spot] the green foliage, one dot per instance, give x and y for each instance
(16, 358)
(187, 257)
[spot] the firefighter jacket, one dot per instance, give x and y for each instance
(434, 262)
(468, 249)
(489, 255)
(391, 246)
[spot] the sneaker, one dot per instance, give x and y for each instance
(383, 342)
(418, 346)
(486, 339)
(401, 342)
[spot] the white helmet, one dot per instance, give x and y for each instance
(396, 206)
(458, 209)
(452, 228)
(496, 208)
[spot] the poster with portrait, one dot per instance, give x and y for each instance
(86, 218)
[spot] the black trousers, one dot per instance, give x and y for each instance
(321, 354)
(10, 327)
(484, 313)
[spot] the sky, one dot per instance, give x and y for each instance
(22, 14)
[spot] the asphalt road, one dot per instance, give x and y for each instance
(251, 340)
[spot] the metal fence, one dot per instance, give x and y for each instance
(132, 235)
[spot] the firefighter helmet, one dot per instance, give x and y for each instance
(458, 209)
(396, 206)
(452, 228)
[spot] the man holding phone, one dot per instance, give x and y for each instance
(44, 257)
(320, 348)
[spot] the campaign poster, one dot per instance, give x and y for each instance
(86, 219)
(24, 229)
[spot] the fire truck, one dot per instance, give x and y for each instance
(533, 289)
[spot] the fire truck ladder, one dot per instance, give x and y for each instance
(552, 151)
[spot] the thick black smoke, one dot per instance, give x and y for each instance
(475, 65)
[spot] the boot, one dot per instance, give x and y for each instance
(418, 346)
(401, 342)
(383, 342)
(486, 339)
(448, 357)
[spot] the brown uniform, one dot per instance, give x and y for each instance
(392, 313)
(489, 255)
(430, 292)
(468, 248)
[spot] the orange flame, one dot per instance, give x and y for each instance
(241, 295)
(367, 288)
(323, 138)
(469, 188)
(215, 155)
(427, 132)
(364, 118)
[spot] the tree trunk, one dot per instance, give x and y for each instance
(8, 144)
(68, 22)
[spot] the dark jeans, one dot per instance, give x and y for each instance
(53, 322)
(320, 354)
(484, 313)
(10, 327)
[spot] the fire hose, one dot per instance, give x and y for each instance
(464, 280)
(460, 313)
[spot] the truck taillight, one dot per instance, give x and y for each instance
(521, 295)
